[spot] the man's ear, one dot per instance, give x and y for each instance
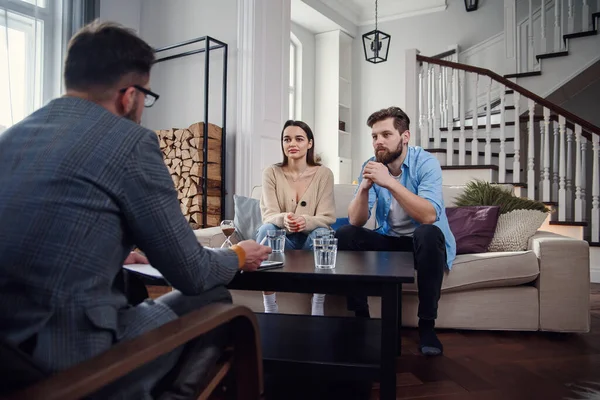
(406, 137)
(126, 100)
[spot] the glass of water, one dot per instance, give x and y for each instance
(325, 251)
(276, 240)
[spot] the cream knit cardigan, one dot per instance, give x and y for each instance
(278, 199)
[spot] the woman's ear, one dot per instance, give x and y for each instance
(310, 144)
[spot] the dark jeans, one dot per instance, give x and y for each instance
(429, 248)
(191, 363)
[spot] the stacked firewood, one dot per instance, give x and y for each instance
(182, 152)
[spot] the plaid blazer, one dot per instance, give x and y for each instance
(79, 187)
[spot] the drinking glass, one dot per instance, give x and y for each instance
(276, 240)
(227, 227)
(325, 251)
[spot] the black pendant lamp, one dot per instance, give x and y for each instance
(376, 44)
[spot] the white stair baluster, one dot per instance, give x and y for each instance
(450, 133)
(546, 195)
(444, 96)
(543, 136)
(584, 177)
(461, 140)
(517, 140)
(437, 90)
(488, 124)
(475, 141)
(423, 106)
(555, 161)
(531, 152)
(569, 178)
(431, 101)
(571, 17)
(578, 202)
(562, 171)
(543, 40)
(557, 28)
(595, 190)
(585, 16)
(502, 154)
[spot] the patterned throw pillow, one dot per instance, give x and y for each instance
(515, 228)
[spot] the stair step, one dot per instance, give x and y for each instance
(479, 127)
(510, 91)
(594, 244)
(517, 184)
(568, 223)
(467, 152)
(551, 203)
(580, 34)
(523, 74)
(552, 55)
(455, 167)
(468, 140)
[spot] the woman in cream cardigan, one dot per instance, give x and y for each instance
(297, 195)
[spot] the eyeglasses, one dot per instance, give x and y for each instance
(150, 97)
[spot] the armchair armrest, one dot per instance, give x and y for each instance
(563, 283)
(89, 376)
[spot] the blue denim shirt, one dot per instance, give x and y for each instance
(422, 175)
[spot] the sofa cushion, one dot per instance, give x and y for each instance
(247, 217)
(473, 227)
(485, 270)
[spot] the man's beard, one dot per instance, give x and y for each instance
(132, 115)
(389, 156)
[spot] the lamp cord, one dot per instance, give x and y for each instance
(375, 14)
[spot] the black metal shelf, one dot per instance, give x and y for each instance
(210, 44)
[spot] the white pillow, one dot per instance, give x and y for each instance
(515, 228)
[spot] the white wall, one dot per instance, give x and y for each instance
(382, 85)
(180, 82)
(307, 40)
(127, 13)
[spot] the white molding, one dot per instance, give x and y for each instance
(245, 92)
(401, 15)
(595, 275)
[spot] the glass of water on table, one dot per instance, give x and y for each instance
(325, 252)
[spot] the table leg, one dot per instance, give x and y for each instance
(399, 350)
(389, 341)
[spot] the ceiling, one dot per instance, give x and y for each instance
(311, 19)
(359, 12)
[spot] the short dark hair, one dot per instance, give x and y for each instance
(310, 154)
(101, 54)
(401, 120)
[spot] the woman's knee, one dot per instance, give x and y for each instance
(261, 232)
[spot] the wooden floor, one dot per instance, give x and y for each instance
(487, 365)
(503, 365)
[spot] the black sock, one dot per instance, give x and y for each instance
(429, 344)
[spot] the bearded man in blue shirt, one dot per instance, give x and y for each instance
(406, 184)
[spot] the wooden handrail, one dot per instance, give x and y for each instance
(587, 126)
(444, 54)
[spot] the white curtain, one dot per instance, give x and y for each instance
(33, 37)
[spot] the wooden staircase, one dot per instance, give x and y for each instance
(520, 138)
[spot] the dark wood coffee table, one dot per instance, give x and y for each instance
(338, 346)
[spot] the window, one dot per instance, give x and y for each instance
(295, 91)
(292, 93)
(27, 57)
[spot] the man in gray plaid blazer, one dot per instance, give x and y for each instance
(81, 184)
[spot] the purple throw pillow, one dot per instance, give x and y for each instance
(473, 227)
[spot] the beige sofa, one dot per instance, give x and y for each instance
(543, 288)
